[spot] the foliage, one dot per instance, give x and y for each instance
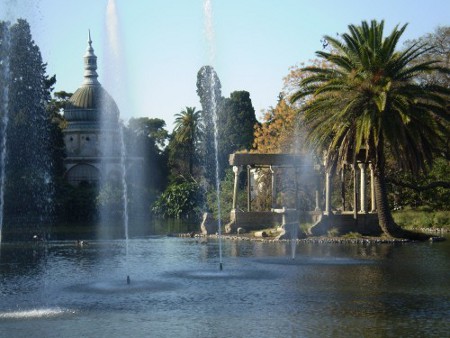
(279, 130)
(180, 200)
(417, 219)
(79, 203)
(226, 197)
(369, 99)
(431, 190)
(150, 128)
(30, 168)
(435, 47)
(236, 124)
(145, 138)
(186, 137)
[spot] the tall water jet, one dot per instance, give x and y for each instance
(123, 157)
(4, 82)
(114, 65)
(209, 29)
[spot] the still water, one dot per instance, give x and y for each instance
(59, 289)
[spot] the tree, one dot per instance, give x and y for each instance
(279, 130)
(146, 139)
(152, 128)
(235, 126)
(435, 47)
(187, 133)
(180, 200)
(433, 188)
(29, 190)
(371, 101)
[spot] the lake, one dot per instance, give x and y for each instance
(61, 289)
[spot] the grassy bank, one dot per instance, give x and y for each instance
(422, 219)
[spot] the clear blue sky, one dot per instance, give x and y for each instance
(162, 43)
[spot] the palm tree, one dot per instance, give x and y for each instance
(369, 101)
(187, 132)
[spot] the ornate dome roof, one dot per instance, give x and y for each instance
(91, 101)
(88, 103)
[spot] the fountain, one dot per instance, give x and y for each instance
(4, 80)
(113, 65)
(207, 7)
(60, 289)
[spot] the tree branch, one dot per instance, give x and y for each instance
(419, 188)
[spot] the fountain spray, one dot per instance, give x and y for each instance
(4, 124)
(209, 29)
(114, 60)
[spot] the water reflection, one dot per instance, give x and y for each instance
(327, 290)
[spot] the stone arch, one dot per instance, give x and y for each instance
(82, 172)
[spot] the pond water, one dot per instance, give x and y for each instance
(59, 289)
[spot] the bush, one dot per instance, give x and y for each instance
(180, 200)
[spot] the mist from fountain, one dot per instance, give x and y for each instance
(4, 80)
(114, 75)
(123, 157)
(294, 236)
(209, 29)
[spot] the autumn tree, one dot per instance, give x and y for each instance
(278, 131)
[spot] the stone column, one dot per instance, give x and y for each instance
(273, 187)
(343, 187)
(296, 188)
(355, 192)
(249, 189)
(372, 190)
(362, 187)
(327, 193)
(236, 171)
(317, 169)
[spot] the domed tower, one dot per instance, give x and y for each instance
(92, 132)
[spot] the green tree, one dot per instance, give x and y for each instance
(180, 200)
(29, 192)
(187, 133)
(371, 102)
(430, 190)
(152, 128)
(435, 47)
(236, 125)
(146, 139)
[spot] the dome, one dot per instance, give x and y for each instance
(91, 102)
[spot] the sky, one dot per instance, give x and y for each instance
(149, 51)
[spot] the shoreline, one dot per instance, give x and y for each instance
(321, 239)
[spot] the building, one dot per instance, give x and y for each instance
(92, 136)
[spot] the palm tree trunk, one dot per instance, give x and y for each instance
(385, 220)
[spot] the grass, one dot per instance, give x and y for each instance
(420, 219)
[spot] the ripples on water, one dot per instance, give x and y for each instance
(177, 290)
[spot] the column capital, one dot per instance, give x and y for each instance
(237, 169)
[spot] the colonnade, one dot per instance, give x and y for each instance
(363, 205)
(363, 195)
(272, 169)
